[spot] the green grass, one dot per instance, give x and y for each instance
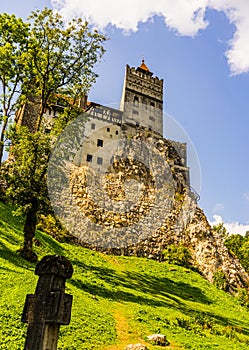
(119, 300)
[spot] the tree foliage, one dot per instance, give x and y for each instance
(13, 48)
(178, 255)
(25, 175)
(221, 230)
(60, 58)
(59, 61)
(239, 246)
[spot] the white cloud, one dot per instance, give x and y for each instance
(186, 17)
(126, 14)
(231, 227)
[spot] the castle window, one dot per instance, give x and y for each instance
(116, 132)
(99, 160)
(100, 143)
(135, 101)
(93, 126)
(89, 158)
(108, 129)
(152, 105)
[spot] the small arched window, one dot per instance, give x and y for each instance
(135, 100)
(152, 105)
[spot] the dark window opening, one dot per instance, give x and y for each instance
(100, 143)
(89, 158)
(99, 160)
(93, 126)
(108, 129)
(135, 100)
(152, 105)
(116, 132)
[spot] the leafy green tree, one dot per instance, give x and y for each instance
(220, 228)
(60, 59)
(25, 174)
(234, 243)
(239, 246)
(244, 254)
(13, 47)
(59, 62)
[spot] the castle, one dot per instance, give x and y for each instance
(165, 211)
(141, 107)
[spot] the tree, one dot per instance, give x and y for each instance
(25, 175)
(239, 246)
(13, 46)
(59, 60)
(221, 230)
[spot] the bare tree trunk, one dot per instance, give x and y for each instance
(29, 232)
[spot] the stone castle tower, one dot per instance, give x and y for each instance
(141, 107)
(142, 99)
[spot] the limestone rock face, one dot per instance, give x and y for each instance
(183, 223)
(210, 253)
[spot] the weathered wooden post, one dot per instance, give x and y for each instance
(49, 307)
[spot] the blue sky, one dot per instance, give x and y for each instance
(201, 50)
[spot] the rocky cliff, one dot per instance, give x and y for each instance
(176, 218)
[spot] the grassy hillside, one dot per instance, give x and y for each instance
(119, 300)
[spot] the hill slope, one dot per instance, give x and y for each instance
(119, 300)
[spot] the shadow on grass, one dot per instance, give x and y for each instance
(145, 289)
(144, 283)
(10, 233)
(14, 258)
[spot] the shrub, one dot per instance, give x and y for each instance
(53, 227)
(178, 255)
(243, 296)
(219, 280)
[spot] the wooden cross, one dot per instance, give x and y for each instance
(49, 307)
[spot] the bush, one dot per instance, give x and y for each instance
(178, 255)
(219, 280)
(53, 227)
(243, 296)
